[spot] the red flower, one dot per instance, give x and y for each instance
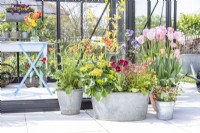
(44, 60)
(27, 66)
(121, 62)
(113, 65)
(125, 63)
(118, 69)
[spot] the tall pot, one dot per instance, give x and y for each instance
(70, 104)
(121, 106)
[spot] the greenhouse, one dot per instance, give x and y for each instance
(102, 66)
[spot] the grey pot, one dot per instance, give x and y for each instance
(6, 35)
(24, 35)
(121, 106)
(14, 35)
(70, 104)
(164, 110)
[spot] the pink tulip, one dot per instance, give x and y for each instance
(145, 31)
(178, 34)
(140, 39)
(160, 35)
(173, 45)
(170, 30)
(151, 34)
(171, 36)
(177, 53)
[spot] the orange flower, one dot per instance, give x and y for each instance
(91, 47)
(35, 16)
(74, 48)
(162, 51)
(51, 49)
(26, 18)
(30, 14)
(107, 41)
(39, 12)
(149, 60)
(87, 52)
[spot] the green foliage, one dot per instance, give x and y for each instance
(166, 94)
(139, 83)
(189, 24)
(168, 71)
(68, 77)
(5, 27)
(98, 79)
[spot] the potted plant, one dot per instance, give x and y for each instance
(23, 28)
(163, 59)
(190, 52)
(33, 80)
(6, 28)
(119, 91)
(168, 73)
(34, 23)
(14, 34)
(16, 12)
(69, 92)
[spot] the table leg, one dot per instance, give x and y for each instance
(30, 69)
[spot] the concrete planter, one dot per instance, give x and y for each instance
(121, 106)
(187, 59)
(70, 104)
(164, 110)
(16, 17)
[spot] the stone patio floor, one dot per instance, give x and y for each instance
(186, 120)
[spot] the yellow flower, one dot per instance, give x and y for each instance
(101, 64)
(83, 69)
(101, 57)
(100, 82)
(96, 72)
(33, 23)
(89, 66)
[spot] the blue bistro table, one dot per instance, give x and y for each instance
(25, 47)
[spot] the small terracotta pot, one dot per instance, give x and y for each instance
(153, 103)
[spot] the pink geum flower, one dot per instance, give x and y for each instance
(113, 65)
(141, 39)
(151, 34)
(118, 69)
(170, 30)
(173, 45)
(177, 53)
